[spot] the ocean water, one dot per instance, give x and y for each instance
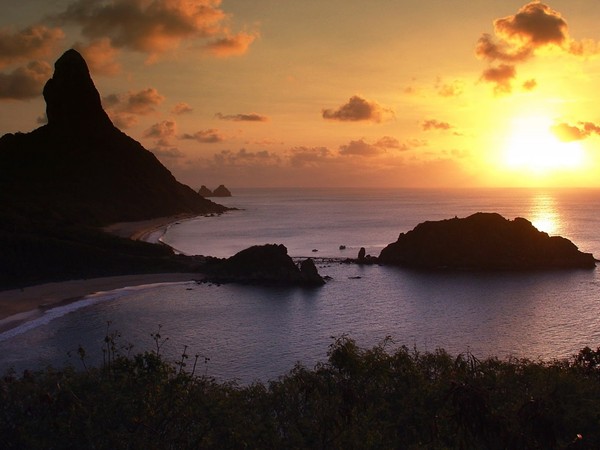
(251, 333)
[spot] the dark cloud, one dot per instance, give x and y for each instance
(501, 76)
(535, 25)
(570, 133)
(253, 117)
(433, 124)
(358, 109)
(25, 82)
(181, 108)
(162, 132)
(302, 157)
(36, 41)
(388, 142)
(231, 45)
(210, 136)
(100, 57)
(155, 26)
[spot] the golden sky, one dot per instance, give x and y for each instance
(443, 93)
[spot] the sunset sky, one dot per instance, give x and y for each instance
(386, 93)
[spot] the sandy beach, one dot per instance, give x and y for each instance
(17, 305)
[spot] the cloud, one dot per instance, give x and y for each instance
(162, 132)
(570, 133)
(362, 148)
(501, 76)
(209, 136)
(100, 56)
(25, 82)
(530, 85)
(123, 108)
(358, 109)
(302, 157)
(245, 158)
(435, 125)
(155, 26)
(535, 25)
(252, 117)
(36, 41)
(181, 108)
(453, 89)
(231, 45)
(519, 36)
(141, 102)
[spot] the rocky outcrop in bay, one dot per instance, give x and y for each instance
(483, 241)
(264, 264)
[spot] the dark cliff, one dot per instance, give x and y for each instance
(80, 168)
(62, 181)
(485, 241)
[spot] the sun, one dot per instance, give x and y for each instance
(532, 146)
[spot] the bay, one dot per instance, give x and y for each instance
(250, 332)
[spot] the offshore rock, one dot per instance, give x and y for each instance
(483, 241)
(264, 264)
(204, 191)
(221, 191)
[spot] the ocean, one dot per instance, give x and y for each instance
(248, 333)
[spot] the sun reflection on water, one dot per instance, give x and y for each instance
(544, 214)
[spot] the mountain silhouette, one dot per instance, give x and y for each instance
(61, 182)
(81, 168)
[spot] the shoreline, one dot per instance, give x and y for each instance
(21, 305)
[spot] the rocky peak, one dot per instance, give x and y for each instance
(72, 100)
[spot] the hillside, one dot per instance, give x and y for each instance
(64, 180)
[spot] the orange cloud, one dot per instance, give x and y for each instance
(210, 136)
(536, 24)
(141, 102)
(36, 41)
(25, 82)
(181, 108)
(100, 56)
(570, 133)
(362, 148)
(162, 132)
(358, 109)
(245, 158)
(501, 76)
(435, 125)
(252, 117)
(302, 157)
(231, 45)
(155, 26)
(518, 37)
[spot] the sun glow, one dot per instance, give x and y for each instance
(532, 146)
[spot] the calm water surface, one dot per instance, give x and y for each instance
(251, 332)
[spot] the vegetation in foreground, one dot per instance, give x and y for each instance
(375, 398)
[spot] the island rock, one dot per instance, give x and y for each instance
(264, 264)
(221, 191)
(483, 241)
(205, 192)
